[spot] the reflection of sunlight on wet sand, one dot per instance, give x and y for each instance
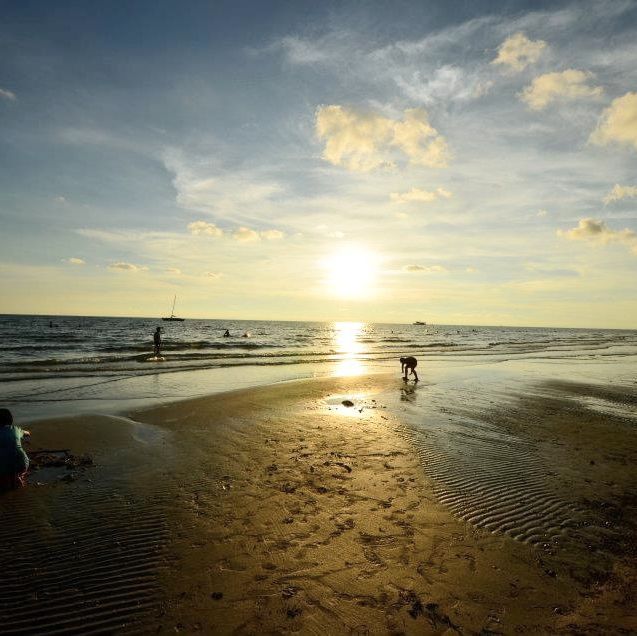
(348, 348)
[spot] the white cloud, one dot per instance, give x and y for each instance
(420, 196)
(272, 235)
(620, 192)
(362, 141)
(597, 232)
(618, 122)
(431, 269)
(74, 261)
(445, 83)
(471, 270)
(204, 186)
(214, 275)
(7, 94)
(61, 200)
(173, 271)
(542, 213)
(245, 235)
(565, 85)
(517, 52)
(302, 51)
(121, 266)
(203, 227)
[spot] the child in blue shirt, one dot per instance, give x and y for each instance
(14, 462)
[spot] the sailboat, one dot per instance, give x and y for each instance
(172, 313)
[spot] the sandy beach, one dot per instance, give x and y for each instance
(432, 509)
(230, 230)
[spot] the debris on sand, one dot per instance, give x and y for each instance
(347, 403)
(51, 459)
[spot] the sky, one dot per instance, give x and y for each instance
(450, 162)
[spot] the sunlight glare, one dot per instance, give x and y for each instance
(349, 347)
(351, 273)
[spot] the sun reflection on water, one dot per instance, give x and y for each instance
(349, 348)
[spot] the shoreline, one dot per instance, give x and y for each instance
(277, 508)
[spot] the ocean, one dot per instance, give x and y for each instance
(53, 365)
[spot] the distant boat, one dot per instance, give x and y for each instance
(419, 323)
(172, 316)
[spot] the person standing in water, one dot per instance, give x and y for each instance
(14, 462)
(157, 340)
(409, 364)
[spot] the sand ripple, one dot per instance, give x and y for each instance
(494, 480)
(87, 563)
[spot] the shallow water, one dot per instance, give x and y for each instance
(53, 365)
(501, 447)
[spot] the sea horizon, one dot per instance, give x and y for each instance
(328, 321)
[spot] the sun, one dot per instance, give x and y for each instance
(351, 272)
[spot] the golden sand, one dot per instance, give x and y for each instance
(280, 510)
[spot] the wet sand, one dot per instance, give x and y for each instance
(443, 508)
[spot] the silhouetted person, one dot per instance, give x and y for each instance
(157, 340)
(227, 334)
(409, 364)
(14, 462)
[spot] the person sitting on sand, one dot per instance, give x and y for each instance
(227, 334)
(157, 340)
(408, 364)
(14, 462)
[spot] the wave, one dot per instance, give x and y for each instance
(188, 345)
(34, 347)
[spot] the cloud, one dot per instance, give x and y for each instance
(204, 186)
(173, 271)
(431, 269)
(120, 266)
(446, 83)
(272, 235)
(214, 275)
(203, 227)
(324, 230)
(7, 94)
(517, 52)
(245, 235)
(597, 232)
(471, 270)
(618, 122)
(74, 261)
(362, 141)
(420, 196)
(620, 192)
(565, 85)
(551, 272)
(301, 51)
(542, 213)
(61, 200)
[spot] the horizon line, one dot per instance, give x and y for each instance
(428, 324)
